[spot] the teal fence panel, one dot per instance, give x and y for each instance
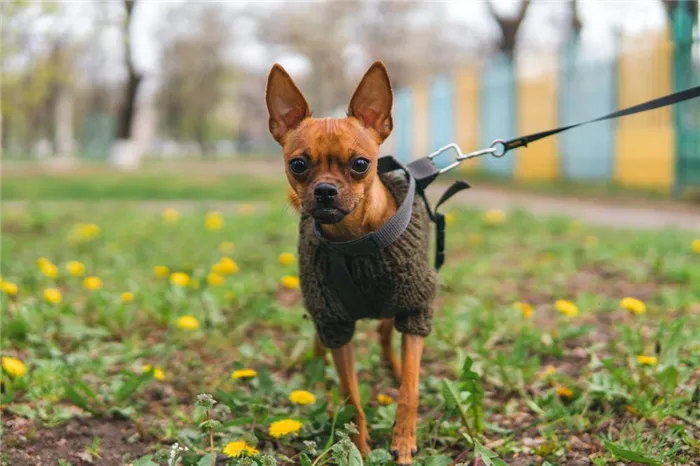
(441, 117)
(403, 124)
(498, 111)
(587, 89)
(98, 135)
(686, 73)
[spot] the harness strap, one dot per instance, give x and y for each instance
(439, 219)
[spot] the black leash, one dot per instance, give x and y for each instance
(665, 101)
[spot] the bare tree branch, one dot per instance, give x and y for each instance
(576, 23)
(509, 26)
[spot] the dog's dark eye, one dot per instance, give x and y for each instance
(360, 166)
(298, 166)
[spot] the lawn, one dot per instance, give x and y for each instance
(535, 358)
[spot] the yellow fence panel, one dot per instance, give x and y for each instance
(467, 112)
(645, 143)
(537, 111)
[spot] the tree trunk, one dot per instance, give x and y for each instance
(128, 105)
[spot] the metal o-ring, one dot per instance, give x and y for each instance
(498, 153)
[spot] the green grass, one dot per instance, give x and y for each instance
(128, 186)
(487, 387)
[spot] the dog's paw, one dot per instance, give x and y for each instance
(403, 451)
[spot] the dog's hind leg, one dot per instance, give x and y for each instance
(403, 443)
(386, 330)
(344, 359)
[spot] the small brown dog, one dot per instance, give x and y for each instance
(331, 166)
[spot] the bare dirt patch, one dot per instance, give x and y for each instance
(119, 442)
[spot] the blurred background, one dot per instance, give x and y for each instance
(139, 85)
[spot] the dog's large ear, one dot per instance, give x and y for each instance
(371, 103)
(285, 103)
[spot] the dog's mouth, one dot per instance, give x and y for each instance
(328, 215)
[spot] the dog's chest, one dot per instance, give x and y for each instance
(398, 280)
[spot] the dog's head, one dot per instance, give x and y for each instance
(331, 163)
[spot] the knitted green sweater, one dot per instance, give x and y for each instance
(398, 281)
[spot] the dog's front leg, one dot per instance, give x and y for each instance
(403, 443)
(344, 359)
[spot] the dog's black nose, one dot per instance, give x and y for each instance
(325, 193)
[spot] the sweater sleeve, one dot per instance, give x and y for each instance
(415, 323)
(336, 334)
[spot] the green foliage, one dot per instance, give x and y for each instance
(485, 381)
(466, 398)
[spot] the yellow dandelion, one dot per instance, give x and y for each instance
(495, 217)
(226, 247)
(633, 305)
(180, 279)
(225, 266)
(564, 392)
(473, 239)
(550, 370)
(13, 366)
(547, 257)
(384, 400)
(286, 258)
(8, 288)
(214, 221)
(566, 307)
(75, 268)
(188, 322)
(161, 271)
(214, 279)
(127, 297)
(92, 283)
(590, 241)
(284, 427)
(696, 245)
(230, 296)
(158, 373)
(86, 231)
(302, 397)
(246, 373)
(575, 225)
(524, 308)
(49, 269)
(646, 360)
(246, 209)
(449, 219)
(41, 261)
(52, 295)
(289, 281)
(238, 448)
(170, 215)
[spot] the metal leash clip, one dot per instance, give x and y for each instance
(496, 149)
